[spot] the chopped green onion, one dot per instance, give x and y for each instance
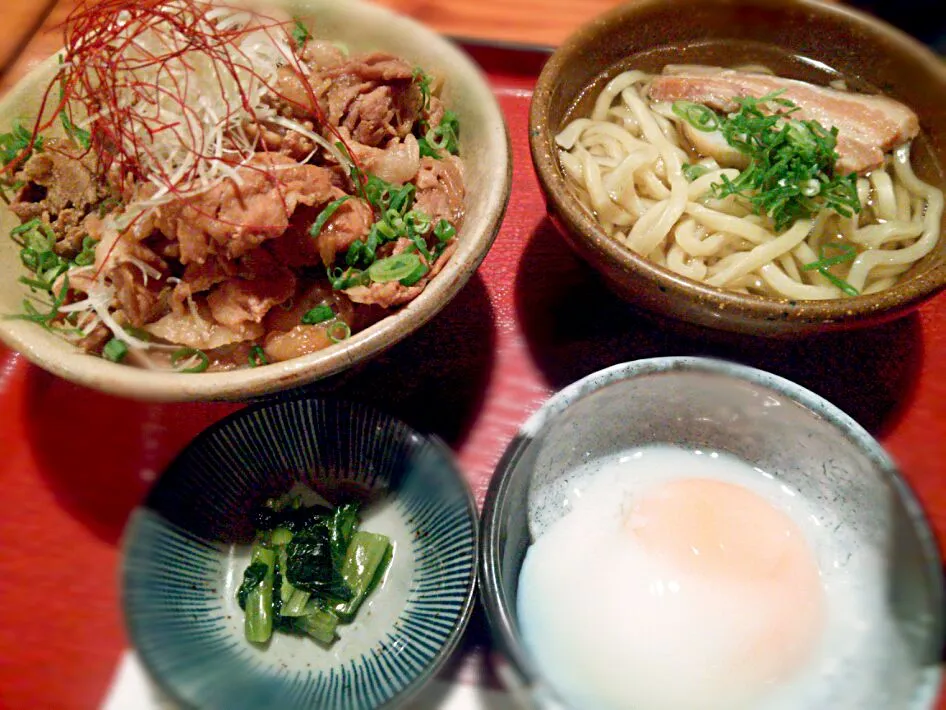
(402, 198)
(44, 319)
(395, 268)
(840, 283)
(79, 136)
(346, 278)
(326, 214)
(13, 144)
(426, 150)
(378, 192)
(700, 117)
(421, 78)
(791, 172)
(338, 331)
(115, 350)
(692, 172)
(86, 257)
(418, 274)
(444, 231)
(396, 220)
(107, 205)
(848, 253)
(30, 258)
(446, 135)
(185, 354)
(299, 32)
(417, 222)
(319, 314)
(258, 357)
(34, 223)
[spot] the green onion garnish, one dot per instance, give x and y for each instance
(402, 198)
(444, 231)
(346, 278)
(299, 32)
(446, 136)
(338, 331)
(115, 350)
(13, 144)
(326, 214)
(397, 268)
(700, 117)
(26, 227)
(692, 172)
(840, 283)
(848, 253)
(420, 77)
(185, 354)
(36, 240)
(791, 163)
(319, 314)
(86, 257)
(79, 136)
(33, 315)
(30, 258)
(257, 357)
(426, 151)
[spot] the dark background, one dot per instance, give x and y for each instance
(925, 19)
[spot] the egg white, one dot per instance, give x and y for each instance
(608, 641)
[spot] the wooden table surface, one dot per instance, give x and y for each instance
(31, 27)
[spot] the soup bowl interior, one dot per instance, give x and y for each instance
(802, 39)
(709, 405)
(361, 27)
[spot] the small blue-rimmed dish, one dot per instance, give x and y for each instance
(186, 548)
(795, 437)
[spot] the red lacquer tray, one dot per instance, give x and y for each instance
(73, 463)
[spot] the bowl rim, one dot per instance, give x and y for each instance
(519, 670)
(235, 419)
(582, 227)
(66, 361)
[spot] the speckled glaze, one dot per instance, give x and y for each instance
(736, 32)
(484, 147)
(714, 405)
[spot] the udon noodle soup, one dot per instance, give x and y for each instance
(753, 183)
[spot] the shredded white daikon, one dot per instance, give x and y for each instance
(189, 130)
(188, 110)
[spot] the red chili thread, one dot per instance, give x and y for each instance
(100, 76)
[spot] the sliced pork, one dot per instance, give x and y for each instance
(868, 126)
(233, 218)
(60, 188)
(440, 189)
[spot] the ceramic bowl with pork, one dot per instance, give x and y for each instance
(261, 231)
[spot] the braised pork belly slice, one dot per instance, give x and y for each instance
(868, 125)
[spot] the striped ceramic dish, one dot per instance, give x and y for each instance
(187, 546)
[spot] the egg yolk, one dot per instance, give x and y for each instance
(716, 535)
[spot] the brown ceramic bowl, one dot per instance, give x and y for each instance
(484, 145)
(803, 39)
